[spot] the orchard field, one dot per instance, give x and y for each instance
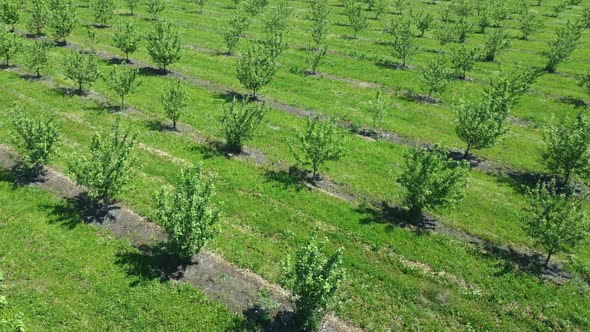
(451, 140)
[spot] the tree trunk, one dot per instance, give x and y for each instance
(38, 73)
(122, 103)
(466, 154)
(548, 258)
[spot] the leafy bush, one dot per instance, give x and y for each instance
(62, 19)
(174, 101)
(123, 80)
(37, 56)
(35, 139)
(239, 121)
(164, 44)
(10, 45)
(110, 166)
(568, 148)
(189, 215)
(435, 75)
(562, 45)
(103, 11)
(315, 280)
(81, 68)
(38, 17)
(554, 220)
(256, 67)
(322, 141)
(430, 179)
(126, 38)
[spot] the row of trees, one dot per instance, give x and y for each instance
(189, 214)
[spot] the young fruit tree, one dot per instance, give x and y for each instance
(356, 16)
(529, 23)
(131, 5)
(567, 151)
(463, 60)
(276, 22)
(155, 7)
(479, 125)
(562, 45)
(36, 58)
(123, 81)
(322, 141)
(62, 19)
(423, 22)
(376, 108)
(315, 280)
(126, 38)
(239, 122)
(403, 40)
(164, 44)
(495, 44)
(256, 67)
(584, 81)
(190, 214)
(10, 45)
(556, 221)
(39, 15)
(233, 30)
(174, 101)
(10, 12)
(199, 3)
(34, 138)
(431, 179)
(103, 11)
(255, 7)
(319, 12)
(435, 76)
(82, 68)
(110, 166)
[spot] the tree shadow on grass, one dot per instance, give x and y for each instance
(523, 181)
(229, 96)
(152, 71)
(258, 318)
(292, 178)
(394, 216)
(575, 102)
(82, 208)
(150, 263)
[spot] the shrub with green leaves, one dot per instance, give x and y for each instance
(10, 12)
(403, 40)
(479, 125)
(81, 68)
(315, 280)
(376, 108)
(529, 23)
(103, 11)
(256, 67)
(430, 179)
(435, 76)
(123, 81)
(495, 44)
(10, 45)
(131, 5)
(174, 101)
(34, 138)
(321, 141)
(190, 214)
(62, 19)
(109, 168)
(356, 16)
(562, 45)
(39, 14)
(556, 221)
(423, 21)
(155, 7)
(233, 30)
(463, 60)
(255, 7)
(319, 13)
(126, 38)
(567, 151)
(239, 122)
(36, 58)
(164, 44)
(315, 55)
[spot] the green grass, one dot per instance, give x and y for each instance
(64, 275)
(266, 219)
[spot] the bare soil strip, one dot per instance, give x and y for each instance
(238, 288)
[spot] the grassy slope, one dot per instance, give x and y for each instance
(263, 217)
(266, 219)
(67, 276)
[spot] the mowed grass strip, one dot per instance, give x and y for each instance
(266, 220)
